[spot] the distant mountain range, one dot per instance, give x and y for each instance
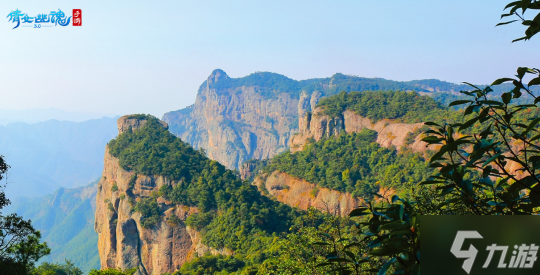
(40, 115)
(66, 222)
(48, 155)
(254, 117)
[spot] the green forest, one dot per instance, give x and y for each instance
(406, 107)
(353, 163)
(233, 214)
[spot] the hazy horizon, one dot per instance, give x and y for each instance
(151, 58)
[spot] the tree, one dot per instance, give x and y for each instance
(57, 269)
(489, 170)
(533, 26)
(113, 271)
(20, 247)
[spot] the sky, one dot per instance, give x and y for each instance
(152, 56)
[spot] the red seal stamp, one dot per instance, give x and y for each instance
(77, 17)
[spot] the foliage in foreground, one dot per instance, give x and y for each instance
(20, 246)
(503, 157)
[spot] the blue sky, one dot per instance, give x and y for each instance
(151, 56)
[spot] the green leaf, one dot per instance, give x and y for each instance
(375, 243)
(512, 4)
(472, 85)
(429, 123)
(534, 81)
(501, 80)
(351, 255)
(432, 139)
(504, 23)
(359, 212)
(521, 72)
(459, 102)
(491, 159)
(385, 267)
(506, 97)
(468, 124)
(519, 39)
(530, 127)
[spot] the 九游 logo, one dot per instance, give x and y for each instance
(523, 256)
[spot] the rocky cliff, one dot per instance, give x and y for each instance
(254, 117)
(302, 194)
(235, 123)
(313, 127)
(122, 241)
(317, 125)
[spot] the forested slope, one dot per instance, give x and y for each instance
(160, 176)
(66, 222)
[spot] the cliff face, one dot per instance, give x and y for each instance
(235, 124)
(254, 117)
(302, 194)
(317, 125)
(122, 241)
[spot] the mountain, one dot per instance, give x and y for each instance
(41, 115)
(48, 155)
(254, 117)
(351, 146)
(160, 203)
(66, 222)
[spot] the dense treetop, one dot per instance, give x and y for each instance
(353, 163)
(408, 107)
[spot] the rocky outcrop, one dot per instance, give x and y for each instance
(122, 241)
(255, 117)
(302, 194)
(317, 125)
(133, 121)
(239, 122)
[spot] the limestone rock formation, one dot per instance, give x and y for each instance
(317, 125)
(122, 241)
(254, 117)
(133, 121)
(240, 122)
(302, 194)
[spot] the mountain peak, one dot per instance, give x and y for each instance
(135, 121)
(216, 76)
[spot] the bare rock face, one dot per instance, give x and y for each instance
(122, 241)
(133, 121)
(316, 125)
(235, 124)
(302, 194)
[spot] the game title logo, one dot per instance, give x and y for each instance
(51, 19)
